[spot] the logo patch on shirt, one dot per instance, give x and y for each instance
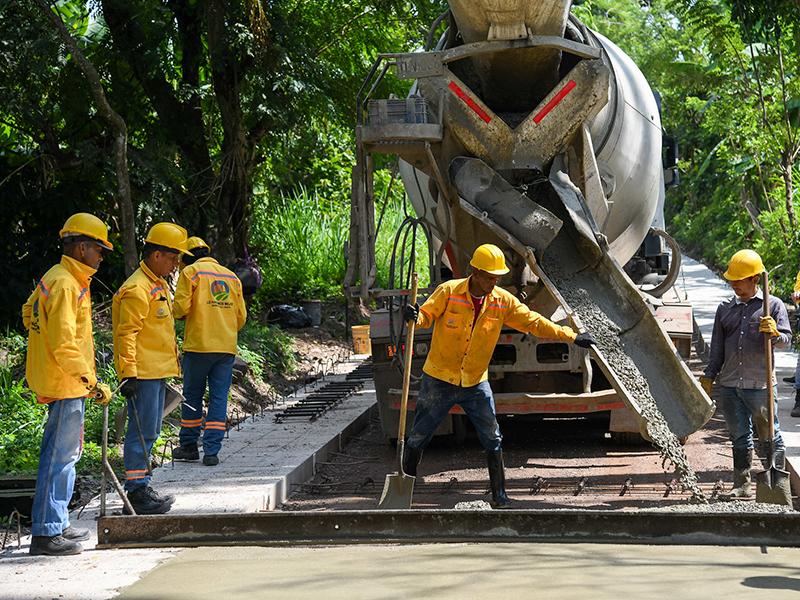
(220, 290)
(161, 312)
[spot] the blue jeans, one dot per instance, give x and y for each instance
(216, 368)
(437, 397)
(148, 405)
(61, 448)
(744, 408)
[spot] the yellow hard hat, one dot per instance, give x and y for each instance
(744, 264)
(489, 258)
(170, 236)
(197, 242)
(88, 225)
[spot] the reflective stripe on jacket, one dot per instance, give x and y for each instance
(143, 328)
(460, 353)
(210, 297)
(58, 317)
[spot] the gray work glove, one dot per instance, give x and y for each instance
(584, 340)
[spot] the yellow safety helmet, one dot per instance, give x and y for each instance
(197, 242)
(170, 236)
(744, 264)
(88, 225)
(489, 258)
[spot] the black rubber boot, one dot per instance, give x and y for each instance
(411, 458)
(56, 545)
(187, 452)
(497, 479)
(210, 460)
(796, 409)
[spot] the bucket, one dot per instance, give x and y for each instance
(313, 308)
(361, 341)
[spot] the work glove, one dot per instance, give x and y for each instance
(129, 387)
(768, 325)
(411, 312)
(707, 383)
(101, 393)
(584, 340)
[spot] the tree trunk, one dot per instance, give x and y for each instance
(120, 131)
(786, 170)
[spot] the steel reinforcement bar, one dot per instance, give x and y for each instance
(432, 526)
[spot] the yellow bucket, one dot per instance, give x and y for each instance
(361, 342)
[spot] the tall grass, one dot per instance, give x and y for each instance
(300, 239)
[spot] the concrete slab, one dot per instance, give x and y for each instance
(259, 464)
(442, 571)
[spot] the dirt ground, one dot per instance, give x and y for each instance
(550, 463)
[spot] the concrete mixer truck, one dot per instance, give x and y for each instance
(526, 129)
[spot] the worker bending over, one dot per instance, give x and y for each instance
(60, 369)
(210, 298)
(467, 316)
(738, 366)
(145, 354)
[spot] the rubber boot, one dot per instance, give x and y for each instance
(796, 409)
(742, 463)
(411, 459)
(497, 479)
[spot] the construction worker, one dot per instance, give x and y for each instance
(145, 354)
(60, 369)
(738, 367)
(210, 298)
(467, 316)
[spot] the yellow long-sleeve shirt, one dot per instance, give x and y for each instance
(460, 353)
(58, 317)
(210, 297)
(143, 328)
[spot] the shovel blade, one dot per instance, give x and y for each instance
(397, 492)
(772, 487)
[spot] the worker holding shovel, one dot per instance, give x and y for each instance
(467, 316)
(739, 367)
(145, 354)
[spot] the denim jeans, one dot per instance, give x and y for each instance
(62, 444)
(216, 368)
(146, 408)
(744, 408)
(437, 397)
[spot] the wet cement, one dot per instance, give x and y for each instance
(462, 571)
(607, 334)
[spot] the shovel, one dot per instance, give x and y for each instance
(399, 487)
(772, 485)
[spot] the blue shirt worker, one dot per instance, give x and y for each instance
(467, 316)
(210, 298)
(60, 369)
(737, 365)
(145, 354)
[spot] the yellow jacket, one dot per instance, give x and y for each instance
(143, 328)
(210, 297)
(460, 353)
(58, 317)
(797, 283)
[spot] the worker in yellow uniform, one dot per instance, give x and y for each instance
(467, 316)
(60, 369)
(145, 354)
(210, 298)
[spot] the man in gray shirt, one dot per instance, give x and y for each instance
(738, 366)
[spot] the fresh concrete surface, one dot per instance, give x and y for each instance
(480, 571)
(259, 464)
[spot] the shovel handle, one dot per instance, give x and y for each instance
(768, 361)
(401, 428)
